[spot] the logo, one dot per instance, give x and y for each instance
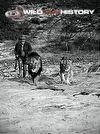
(17, 14)
(20, 13)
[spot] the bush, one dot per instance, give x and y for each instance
(79, 43)
(85, 43)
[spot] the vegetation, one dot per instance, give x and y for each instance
(71, 32)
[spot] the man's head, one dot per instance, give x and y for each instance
(23, 39)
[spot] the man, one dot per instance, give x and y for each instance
(22, 49)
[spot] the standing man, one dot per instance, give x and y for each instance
(22, 49)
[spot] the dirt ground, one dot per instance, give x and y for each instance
(50, 107)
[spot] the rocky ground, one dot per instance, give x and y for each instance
(50, 107)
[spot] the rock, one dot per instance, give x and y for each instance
(6, 74)
(94, 68)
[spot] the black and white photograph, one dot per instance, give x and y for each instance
(49, 67)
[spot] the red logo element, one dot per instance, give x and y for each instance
(16, 15)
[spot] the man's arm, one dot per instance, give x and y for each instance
(16, 50)
(29, 47)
